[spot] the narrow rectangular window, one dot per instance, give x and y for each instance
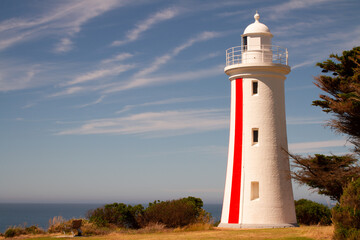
(255, 87)
(254, 190)
(244, 43)
(255, 135)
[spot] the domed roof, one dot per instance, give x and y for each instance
(257, 27)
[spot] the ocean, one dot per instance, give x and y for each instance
(15, 214)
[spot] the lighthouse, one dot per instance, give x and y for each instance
(258, 191)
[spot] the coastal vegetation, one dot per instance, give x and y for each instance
(346, 214)
(171, 214)
(19, 230)
(312, 213)
(173, 219)
(329, 175)
(338, 176)
(185, 213)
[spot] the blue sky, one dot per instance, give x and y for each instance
(127, 101)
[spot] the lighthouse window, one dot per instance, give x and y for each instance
(255, 136)
(254, 190)
(254, 87)
(244, 43)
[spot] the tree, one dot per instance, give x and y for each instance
(327, 174)
(330, 174)
(346, 215)
(342, 90)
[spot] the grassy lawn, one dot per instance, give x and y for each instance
(301, 233)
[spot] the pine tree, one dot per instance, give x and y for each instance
(341, 84)
(342, 88)
(328, 174)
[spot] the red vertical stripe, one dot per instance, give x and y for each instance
(236, 176)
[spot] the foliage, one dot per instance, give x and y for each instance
(346, 215)
(22, 230)
(13, 232)
(88, 229)
(312, 213)
(59, 225)
(170, 214)
(343, 93)
(175, 213)
(186, 213)
(327, 174)
(34, 230)
(118, 214)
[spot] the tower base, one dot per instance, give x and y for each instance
(283, 225)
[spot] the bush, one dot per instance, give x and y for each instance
(170, 214)
(13, 232)
(89, 229)
(22, 230)
(175, 213)
(346, 215)
(59, 225)
(34, 230)
(118, 214)
(312, 213)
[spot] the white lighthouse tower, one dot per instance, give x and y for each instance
(258, 191)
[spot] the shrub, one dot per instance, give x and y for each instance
(118, 214)
(22, 230)
(346, 215)
(14, 231)
(311, 213)
(89, 229)
(34, 230)
(59, 225)
(175, 213)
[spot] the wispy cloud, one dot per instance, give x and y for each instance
(166, 102)
(309, 147)
(304, 63)
(97, 101)
(68, 91)
(302, 26)
(108, 68)
(20, 76)
(148, 23)
(281, 10)
(170, 78)
(316, 48)
(233, 13)
(63, 19)
(204, 36)
(156, 124)
(101, 73)
(64, 45)
(117, 58)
